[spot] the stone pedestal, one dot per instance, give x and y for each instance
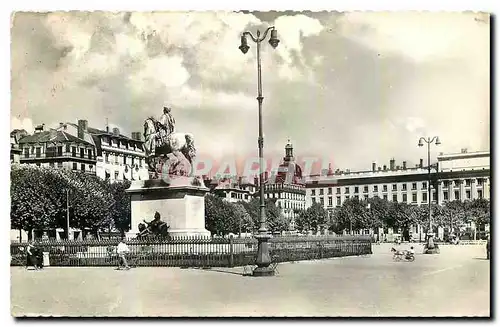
(181, 206)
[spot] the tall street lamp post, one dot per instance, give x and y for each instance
(263, 258)
(430, 246)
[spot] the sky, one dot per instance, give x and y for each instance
(355, 87)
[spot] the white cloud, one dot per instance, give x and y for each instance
(420, 36)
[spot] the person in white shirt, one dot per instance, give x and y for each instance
(121, 249)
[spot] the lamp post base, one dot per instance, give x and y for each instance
(430, 246)
(263, 257)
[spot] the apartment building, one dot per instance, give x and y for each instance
(286, 187)
(118, 157)
(233, 189)
(58, 149)
(459, 176)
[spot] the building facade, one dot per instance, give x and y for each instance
(286, 187)
(118, 156)
(233, 189)
(58, 149)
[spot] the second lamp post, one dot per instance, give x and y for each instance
(263, 258)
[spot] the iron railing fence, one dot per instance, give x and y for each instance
(194, 251)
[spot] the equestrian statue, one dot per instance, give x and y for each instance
(167, 151)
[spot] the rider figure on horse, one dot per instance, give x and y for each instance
(167, 121)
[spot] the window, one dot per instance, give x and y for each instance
(51, 164)
(321, 191)
(313, 192)
(91, 167)
(82, 167)
(356, 197)
(246, 196)
(233, 195)
(356, 189)
(467, 182)
(59, 151)
(414, 197)
(375, 188)
(467, 194)
(405, 198)
(26, 153)
(479, 194)
(424, 185)
(394, 187)
(330, 201)
(322, 201)
(90, 153)
(106, 158)
(424, 197)
(445, 196)
(446, 183)
(365, 189)
(124, 160)
(73, 151)
(480, 181)
(338, 190)
(132, 161)
(346, 191)
(67, 148)
(338, 200)
(385, 197)
(38, 152)
(38, 164)
(59, 165)
(75, 166)
(413, 186)
(116, 175)
(82, 153)
(457, 195)
(329, 190)
(313, 200)
(116, 159)
(384, 188)
(404, 187)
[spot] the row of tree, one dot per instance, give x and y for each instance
(222, 217)
(39, 198)
(378, 213)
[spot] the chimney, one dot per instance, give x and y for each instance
(240, 180)
(61, 125)
(385, 167)
(39, 128)
(398, 167)
(404, 165)
(82, 128)
(464, 150)
(256, 181)
(392, 163)
(266, 175)
(379, 169)
(107, 129)
(421, 163)
(374, 166)
(116, 131)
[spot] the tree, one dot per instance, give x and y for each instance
(352, 215)
(275, 220)
(479, 212)
(312, 218)
(219, 215)
(245, 222)
(31, 206)
(121, 209)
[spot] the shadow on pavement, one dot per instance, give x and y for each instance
(481, 258)
(220, 271)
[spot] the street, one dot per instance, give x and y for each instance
(453, 283)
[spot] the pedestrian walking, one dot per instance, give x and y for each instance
(123, 249)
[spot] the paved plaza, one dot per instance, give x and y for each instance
(454, 283)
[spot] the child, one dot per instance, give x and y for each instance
(121, 249)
